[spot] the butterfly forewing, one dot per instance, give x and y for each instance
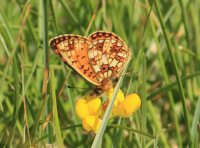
(107, 54)
(73, 51)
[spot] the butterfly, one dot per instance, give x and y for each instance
(100, 58)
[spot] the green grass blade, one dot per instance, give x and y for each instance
(185, 22)
(166, 78)
(144, 102)
(175, 67)
(171, 85)
(55, 111)
(16, 104)
(53, 17)
(158, 125)
(196, 119)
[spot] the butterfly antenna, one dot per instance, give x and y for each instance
(78, 87)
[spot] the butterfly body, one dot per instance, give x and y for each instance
(99, 58)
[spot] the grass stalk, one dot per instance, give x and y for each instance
(185, 23)
(45, 87)
(170, 95)
(180, 86)
(171, 85)
(55, 111)
(53, 17)
(144, 102)
(16, 105)
(157, 124)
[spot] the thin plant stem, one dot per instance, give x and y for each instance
(175, 67)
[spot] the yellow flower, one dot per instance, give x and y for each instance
(88, 105)
(81, 108)
(127, 107)
(123, 107)
(91, 123)
(89, 108)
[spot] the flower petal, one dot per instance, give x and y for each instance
(126, 108)
(82, 108)
(91, 123)
(119, 97)
(95, 107)
(131, 103)
(88, 105)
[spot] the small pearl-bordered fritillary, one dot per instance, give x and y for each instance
(100, 58)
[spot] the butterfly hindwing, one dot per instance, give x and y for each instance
(107, 55)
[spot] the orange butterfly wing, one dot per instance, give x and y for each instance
(73, 51)
(108, 55)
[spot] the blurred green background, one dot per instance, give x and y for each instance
(37, 107)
